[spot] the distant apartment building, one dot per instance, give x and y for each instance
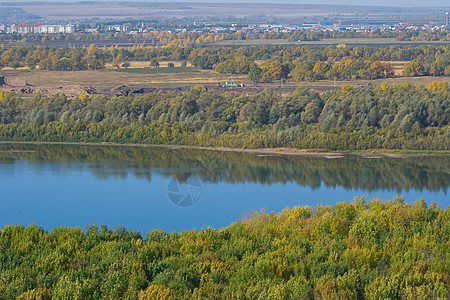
(57, 29)
(23, 28)
(40, 28)
(117, 28)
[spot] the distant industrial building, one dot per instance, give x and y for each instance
(40, 28)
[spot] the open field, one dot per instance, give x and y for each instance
(166, 70)
(347, 41)
(112, 81)
(397, 66)
(135, 80)
(156, 76)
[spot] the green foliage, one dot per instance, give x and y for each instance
(255, 74)
(154, 63)
(205, 61)
(396, 117)
(238, 65)
(39, 293)
(156, 292)
(302, 63)
(359, 250)
(414, 68)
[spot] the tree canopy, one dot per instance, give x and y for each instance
(359, 250)
(395, 117)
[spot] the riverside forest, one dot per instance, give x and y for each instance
(391, 117)
(316, 163)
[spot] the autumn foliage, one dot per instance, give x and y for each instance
(358, 250)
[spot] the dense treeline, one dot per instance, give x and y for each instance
(399, 117)
(310, 63)
(190, 38)
(350, 171)
(361, 250)
(298, 62)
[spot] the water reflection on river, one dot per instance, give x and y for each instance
(174, 189)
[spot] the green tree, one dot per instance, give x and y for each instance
(414, 68)
(154, 63)
(15, 64)
(255, 74)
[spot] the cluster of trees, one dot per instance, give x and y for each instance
(423, 36)
(84, 58)
(310, 63)
(318, 36)
(401, 117)
(358, 250)
(276, 69)
(297, 62)
(53, 58)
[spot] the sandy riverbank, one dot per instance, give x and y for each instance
(370, 154)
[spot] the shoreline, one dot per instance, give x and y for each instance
(263, 152)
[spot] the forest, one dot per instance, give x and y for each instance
(402, 116)
(359, 250)
(261, 63)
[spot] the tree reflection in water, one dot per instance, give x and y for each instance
(430, 173)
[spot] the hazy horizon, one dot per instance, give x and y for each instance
(400, 3)
(388, 3)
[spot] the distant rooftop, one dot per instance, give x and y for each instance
(28, 25)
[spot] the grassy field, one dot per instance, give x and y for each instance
(154, 76)
(398, 67)
(179, 78)
(165, 70)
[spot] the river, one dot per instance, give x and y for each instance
(145, 188)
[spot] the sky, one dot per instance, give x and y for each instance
(401, 3)
(392, 3)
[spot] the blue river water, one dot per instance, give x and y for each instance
(55, 186)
